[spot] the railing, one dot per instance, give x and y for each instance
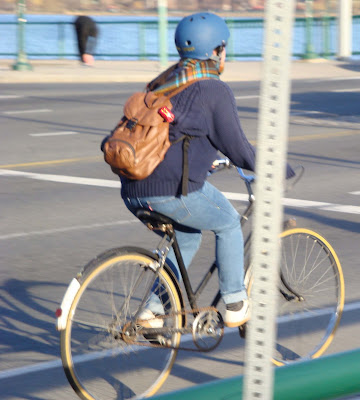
(138, 40)
(331, 377)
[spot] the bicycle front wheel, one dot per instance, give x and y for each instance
(104, 354)
(311, 296)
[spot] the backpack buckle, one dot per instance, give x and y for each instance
(131, 124)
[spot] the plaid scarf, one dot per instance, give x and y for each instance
(184, 71)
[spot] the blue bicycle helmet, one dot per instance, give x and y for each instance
(197, 35)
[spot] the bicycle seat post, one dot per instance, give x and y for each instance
(189, 291)
(157, 221)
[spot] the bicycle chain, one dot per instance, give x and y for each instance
(169, 330)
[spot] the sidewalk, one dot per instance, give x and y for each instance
(68, 71)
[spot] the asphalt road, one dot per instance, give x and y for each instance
(60, 207)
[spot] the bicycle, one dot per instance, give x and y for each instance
(107, 354)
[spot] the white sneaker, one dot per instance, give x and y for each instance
(147, 319)
(237, 318)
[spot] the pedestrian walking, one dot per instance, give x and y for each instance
(86, 32)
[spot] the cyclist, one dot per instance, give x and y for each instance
(207, 111)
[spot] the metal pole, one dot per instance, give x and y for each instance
(142, 47)
(345, 29)
(326, 31)
(162, 15)
(309, 21)
(230, 45)
(61, 39)
(270, 171)
(21, 62)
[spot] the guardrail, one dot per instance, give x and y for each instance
(330, 377)
(138, 40)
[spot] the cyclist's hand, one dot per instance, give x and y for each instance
(219, 164)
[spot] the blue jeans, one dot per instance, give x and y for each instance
(205, 209)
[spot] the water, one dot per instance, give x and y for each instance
(53, 39)
(120, 37)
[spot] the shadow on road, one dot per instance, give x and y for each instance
(340, 223)
(89, 130)
(351, 66)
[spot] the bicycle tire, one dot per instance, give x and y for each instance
(310, 267)
(97, 361)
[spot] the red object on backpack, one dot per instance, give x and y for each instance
(166, 114)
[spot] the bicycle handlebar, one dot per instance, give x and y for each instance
(226, 163)
(246, 178)
(222, 163)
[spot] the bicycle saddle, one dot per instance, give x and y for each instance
(153, 217)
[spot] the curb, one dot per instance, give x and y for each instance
(71, 71)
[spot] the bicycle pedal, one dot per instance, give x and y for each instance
(156, 339)
(242, 331)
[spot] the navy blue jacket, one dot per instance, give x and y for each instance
(207, 110)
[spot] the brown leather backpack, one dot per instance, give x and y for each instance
(140, 141)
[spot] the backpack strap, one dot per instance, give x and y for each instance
(152, 99)
(186, 141)
(185, 138)
(184, 86)
(185, 165)
(185, 175)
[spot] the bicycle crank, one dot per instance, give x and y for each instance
(208, 330)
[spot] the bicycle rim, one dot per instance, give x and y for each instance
(311, 269)
(98, 363)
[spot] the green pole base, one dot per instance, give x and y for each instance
(22, 66)
(22, 63)
(309, 55)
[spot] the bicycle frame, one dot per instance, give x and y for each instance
(168, 230)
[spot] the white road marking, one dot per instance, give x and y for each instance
(298, 203)
(65, 229)
(43, 366)
(11, 96)
(63, 179)
(305, 112)
(11, 373)
(342, 208)
(54, 133)
(252, 96)
(15, 112)
(348, 78)
(345, 90)
(356, 193)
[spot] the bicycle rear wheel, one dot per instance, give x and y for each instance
(104, 354)
(311, 296)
